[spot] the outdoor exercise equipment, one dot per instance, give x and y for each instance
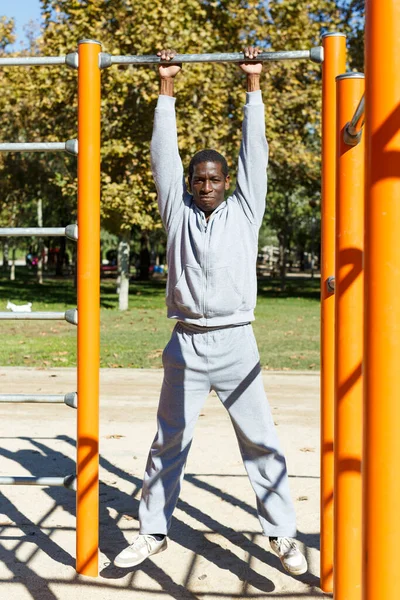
(86, 400)
(342, 337)
(364, 436)
(334, 64)
(349, 291)
(89, 60)
(381, 459)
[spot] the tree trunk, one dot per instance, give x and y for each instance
(312, 247)
(40, 243)
(75, 263)
(12, 271)
(60, 257)
(123, 270)
(144, 258)
(283, 243)
(282, 259)
(13, 224)
(301, 252)
(5, 255)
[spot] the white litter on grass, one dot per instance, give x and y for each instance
(19, 308)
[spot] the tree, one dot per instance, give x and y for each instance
(210, 97)
(28, 180)
(353, 21)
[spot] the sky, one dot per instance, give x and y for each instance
(22, 11)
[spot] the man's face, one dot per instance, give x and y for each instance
(208, 186)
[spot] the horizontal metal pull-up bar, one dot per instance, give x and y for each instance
(70, 232)
(314, 54)
(68, 482)
(70, 146)
(70, 60)
(71, 316)
(70, 399)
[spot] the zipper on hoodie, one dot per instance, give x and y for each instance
(206, 225)
(203, 279)
(206, 248)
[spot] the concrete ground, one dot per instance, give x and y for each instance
(215, 551)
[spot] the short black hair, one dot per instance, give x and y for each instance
(208, 156)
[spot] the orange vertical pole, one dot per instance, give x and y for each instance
(88, 307)
(381, 573)
(334, 63)
(349, 300)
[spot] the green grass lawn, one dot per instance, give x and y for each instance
(286, 326)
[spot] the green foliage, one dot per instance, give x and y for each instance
(353, 19)
(6, 32)
(40, 104)
(30, 112)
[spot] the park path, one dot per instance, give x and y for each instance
(215, 552)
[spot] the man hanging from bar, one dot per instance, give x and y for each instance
(211, 292)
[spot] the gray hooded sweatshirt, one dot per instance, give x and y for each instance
(211, 265)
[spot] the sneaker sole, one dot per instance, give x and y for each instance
(125, 565)
(299, 571)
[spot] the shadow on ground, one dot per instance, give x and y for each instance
(115, 506)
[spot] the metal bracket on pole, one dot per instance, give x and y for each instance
(350, 138)
(104, 60)
(71, 232)
(72, 60)
(317, 54)
(70, 482)
(71, 316)
(71, 399)
(353, 129)
(330, 284)
(71, 146)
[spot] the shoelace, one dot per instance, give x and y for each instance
(140, 543)
(286, 545)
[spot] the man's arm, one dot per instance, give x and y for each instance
(166, 163)
(251, 186)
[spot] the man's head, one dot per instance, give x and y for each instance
(208, 179)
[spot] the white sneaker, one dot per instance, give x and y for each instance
(142, 547)
(291, 558)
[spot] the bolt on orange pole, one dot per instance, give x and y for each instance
(349, 300)
(88, 307)
(381, 467)
(334, 64)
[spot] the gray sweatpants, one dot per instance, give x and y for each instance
(197, 360)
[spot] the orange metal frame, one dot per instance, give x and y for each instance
(381, 468)
(366, 526)
(334, 64)
(88, 307)
(341, 350)
(349, 299)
